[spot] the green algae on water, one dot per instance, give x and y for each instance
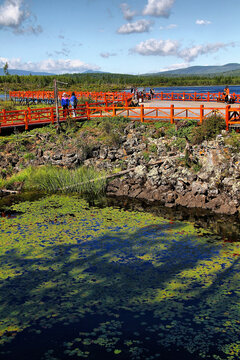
(64, 263)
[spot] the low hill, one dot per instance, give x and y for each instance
(202, 70)
(23, 72)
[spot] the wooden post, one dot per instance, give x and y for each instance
(141, 113)
(201, 113)
(195, 96)
(208, 96)
(172, 114)
(56, 103)
(227, 116)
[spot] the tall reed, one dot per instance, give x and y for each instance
(52, 179)
(82, 180)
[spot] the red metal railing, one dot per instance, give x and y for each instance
(142, 113)
(110, 97)
(122, 97)
(184, 96)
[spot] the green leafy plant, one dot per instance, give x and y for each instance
(146, 155)
(153, 148)
(234, 141)
(179, 143)
(29, 156)
(210, 127)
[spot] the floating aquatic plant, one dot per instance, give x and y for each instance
(126, 280)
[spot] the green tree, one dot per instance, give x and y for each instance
(5, 69)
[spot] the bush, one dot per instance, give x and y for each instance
(185, 128)
(234, 141)
(181, 129)
(153, 148)
(179, 143)
(210, 127)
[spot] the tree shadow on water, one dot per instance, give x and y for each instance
(118, 271)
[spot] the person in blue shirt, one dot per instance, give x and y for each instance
(65, 104)
(73, 101)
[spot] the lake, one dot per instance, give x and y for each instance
(191, 89)
(80, 280)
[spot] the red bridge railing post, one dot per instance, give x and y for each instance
(4, 115)
(172, 114)
(201, 113)
(26, 119)
(227, 116)
(142, 113)
(52, 115)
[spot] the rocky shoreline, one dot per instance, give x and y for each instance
(205, 176)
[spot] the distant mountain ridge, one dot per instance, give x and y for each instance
(227, 69)
(201, 70)
(23, 72)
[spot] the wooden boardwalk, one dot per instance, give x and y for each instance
(150, 110)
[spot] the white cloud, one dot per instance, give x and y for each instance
(157, 47)
(158, 8)
(139, 26)
(49, 65)
(175, 67)
(107, 55)
(171, 47)
(169, 27)
(14, 15)
(203, 22)
(127, 13)
(190, 54)
(11, 13)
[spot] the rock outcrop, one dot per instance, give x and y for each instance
(204, 176)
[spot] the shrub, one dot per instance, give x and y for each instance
(146, 156)
(210, 127)
(185, 128)
(29, 156)
(234, 141)
(153, 148)
(179, 143)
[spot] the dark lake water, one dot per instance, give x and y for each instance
(114, 281)
(191, 89)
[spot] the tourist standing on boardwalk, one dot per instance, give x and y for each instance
(65, 104)
(226, 93)
(151, 92)
(73, 101)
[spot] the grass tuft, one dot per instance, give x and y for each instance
(50, 179)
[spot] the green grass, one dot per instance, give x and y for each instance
(50, 179)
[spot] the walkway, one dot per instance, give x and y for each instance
(150, 110)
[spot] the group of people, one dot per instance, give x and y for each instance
(141, 95)
(66, 102)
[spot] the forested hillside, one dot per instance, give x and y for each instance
(108, 81)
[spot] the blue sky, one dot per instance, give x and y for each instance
(132, 36)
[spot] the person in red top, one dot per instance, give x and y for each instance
(226, 94)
